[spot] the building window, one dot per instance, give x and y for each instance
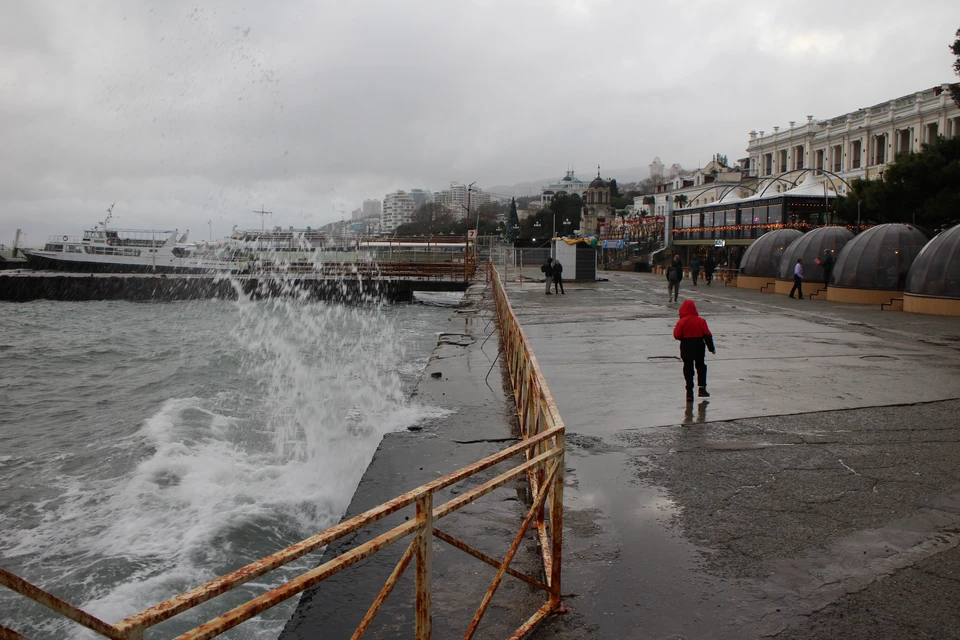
(880, 149)
(782, 161)
(903, 141)
(856, 152)
(818, 161)
(768, 164)
(798, 157)
(931, 131)
(836, 158)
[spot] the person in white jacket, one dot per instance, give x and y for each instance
(798, 279)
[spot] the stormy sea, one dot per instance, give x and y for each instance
(148, 448)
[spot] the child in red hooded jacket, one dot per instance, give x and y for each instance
(695, 337)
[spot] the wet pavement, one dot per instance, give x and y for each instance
(816, 494)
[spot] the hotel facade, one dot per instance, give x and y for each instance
(791, 176)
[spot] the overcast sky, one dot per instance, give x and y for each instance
(188, 112)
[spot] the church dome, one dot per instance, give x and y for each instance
(598, 183)
(879, 258)
(936, 270)
(810, 247)
(762, 258)
(567, 178)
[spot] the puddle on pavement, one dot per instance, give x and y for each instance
(638, 576)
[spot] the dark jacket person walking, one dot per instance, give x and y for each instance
(557, 277)
(709, 266)
(674, 276)
(827, 264)
(547, 268)
(695, 338)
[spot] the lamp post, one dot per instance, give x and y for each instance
(858, 215)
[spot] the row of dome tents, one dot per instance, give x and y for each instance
(883, 263)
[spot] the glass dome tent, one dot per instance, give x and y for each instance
(933, 283)
(872, 268)
(758, 267)
(811, 247)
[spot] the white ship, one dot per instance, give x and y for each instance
(105, 249)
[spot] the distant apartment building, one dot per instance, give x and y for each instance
(356, 215)
(371, 209)
(421, 197)
(455, 198)
(398, 208)
(859, 144)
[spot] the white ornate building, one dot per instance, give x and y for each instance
(859, 144)
(570, 185)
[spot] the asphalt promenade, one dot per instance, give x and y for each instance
(816, 494)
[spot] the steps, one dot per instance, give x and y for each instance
(819, 294)
(895, 304)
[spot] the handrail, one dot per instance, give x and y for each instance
(542, 446)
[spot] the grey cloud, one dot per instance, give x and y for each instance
(185, 112)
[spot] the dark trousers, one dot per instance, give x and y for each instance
(558, 284)
(688, 366)
(708, 275)
(694, 275)
(797, 286)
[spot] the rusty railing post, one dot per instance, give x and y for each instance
(556, 525)
(424, 556)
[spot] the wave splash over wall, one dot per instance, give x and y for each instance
(249, 427)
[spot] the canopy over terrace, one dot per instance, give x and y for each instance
(738, 220)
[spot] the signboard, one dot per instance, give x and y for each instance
(613, 244)
(472, 234)
(719, 243)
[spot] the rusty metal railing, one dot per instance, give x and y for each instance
(541, 453)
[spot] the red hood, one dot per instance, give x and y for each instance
(688, 309)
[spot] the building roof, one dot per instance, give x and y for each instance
(810, 188)
(598, 183)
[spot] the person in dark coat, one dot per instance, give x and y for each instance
(695, 338)
(709, 266)
(547, 268)
(827, 264)
(557, 277)
(674, 276)
(694, 269)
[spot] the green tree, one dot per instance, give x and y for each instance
(955, 87)
(680, 200)
(921, 188)
(564, 207)
(513, 222)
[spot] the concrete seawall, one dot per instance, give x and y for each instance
(480, 420)
(27, 286)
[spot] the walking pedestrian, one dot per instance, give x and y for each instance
(827, 264)
(695, 338)
(798, 278)
(694, 269)
(709, 266)
(547, 268)
(674, 276)
(557, 277)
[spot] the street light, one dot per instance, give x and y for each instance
(858, 215)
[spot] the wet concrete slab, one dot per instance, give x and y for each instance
(808, 481)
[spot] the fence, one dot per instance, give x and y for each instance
(542, 460)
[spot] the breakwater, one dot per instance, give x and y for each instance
(24, 287)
